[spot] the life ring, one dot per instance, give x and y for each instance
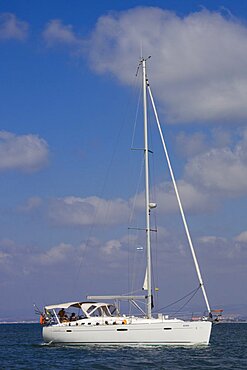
(124, 322)
(41, 320)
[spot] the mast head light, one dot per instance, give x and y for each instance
(152, 205)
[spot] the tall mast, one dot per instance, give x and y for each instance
(147, 203)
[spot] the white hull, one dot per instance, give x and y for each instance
(152, 332)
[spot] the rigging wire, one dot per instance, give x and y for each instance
(185, 304)
(193, 292)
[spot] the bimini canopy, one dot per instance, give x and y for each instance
(88, 308)
(64, 305)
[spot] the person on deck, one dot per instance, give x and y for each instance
(72, 317)
(62, 315)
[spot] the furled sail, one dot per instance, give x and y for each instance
(145, 282)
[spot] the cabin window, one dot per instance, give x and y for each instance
(91, 308)
(105, 311)
(112, 309)
(96, 313)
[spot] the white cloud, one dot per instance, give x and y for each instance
(27, 268)
(56, 33)
(12, 28)
(192, 198)
(75, 211)
(211, 239)
(222, 249)
(87, 211)
(198, 66)
(20, 258)
(58, 254)
(3, 256)
(220, 169)
(191, 145)
(23, 152)
(111, 246)
(242, 237)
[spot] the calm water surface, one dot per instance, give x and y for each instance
(21, 348)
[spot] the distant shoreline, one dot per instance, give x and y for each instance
(233, 322)
(18, 322)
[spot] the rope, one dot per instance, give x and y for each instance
(194, 291)
(188, 300)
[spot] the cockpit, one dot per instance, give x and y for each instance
(74, 311)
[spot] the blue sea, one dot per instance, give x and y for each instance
(21, 347)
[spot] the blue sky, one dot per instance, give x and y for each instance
(68, 177)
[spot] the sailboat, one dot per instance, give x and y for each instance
(99, 322)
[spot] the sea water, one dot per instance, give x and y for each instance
(21, 347)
